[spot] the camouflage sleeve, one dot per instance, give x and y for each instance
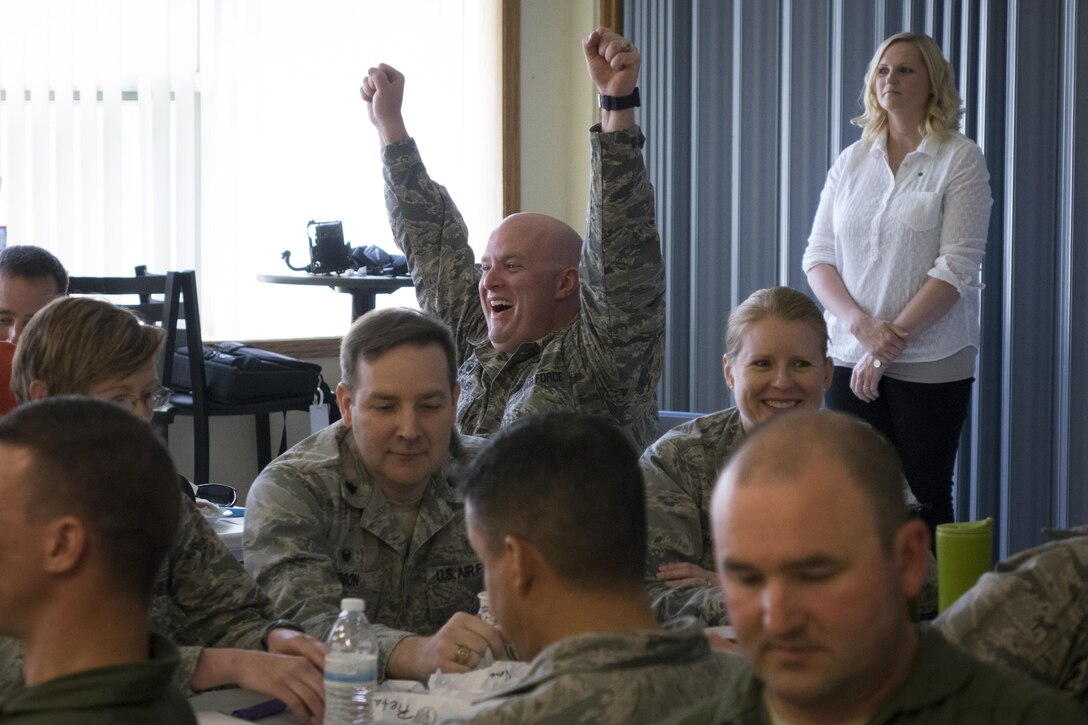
(187, 661)
(287, 553)
(429, 229)
(1030, 614)
(11, 666)
(623, 281)
(677, 530)
(210, 600)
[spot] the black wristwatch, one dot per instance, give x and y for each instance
(618, 103)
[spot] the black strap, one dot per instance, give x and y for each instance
(618, 103)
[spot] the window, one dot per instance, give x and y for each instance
(207, 133)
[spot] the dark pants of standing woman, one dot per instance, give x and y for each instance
(923, 422)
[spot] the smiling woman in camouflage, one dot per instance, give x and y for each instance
(775, 361)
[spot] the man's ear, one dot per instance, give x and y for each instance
(343, 401)
(911, 547)
(38, 390)
(525, 562)
(568, 283)
(65, 545)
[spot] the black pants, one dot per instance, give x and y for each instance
(923, 421)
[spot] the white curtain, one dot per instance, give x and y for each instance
(224, 126)
(98, 181)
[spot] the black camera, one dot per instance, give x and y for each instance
(329, 253)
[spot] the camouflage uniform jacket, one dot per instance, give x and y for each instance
(680, 470)
(613, 677)
(607, 361)
(944, 686)
(202, 597)
(1031, 614)
(318, 530)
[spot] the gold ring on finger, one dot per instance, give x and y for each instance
(461, 657)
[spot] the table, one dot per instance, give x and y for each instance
(362, 288)
(229, 531)
(213, 707)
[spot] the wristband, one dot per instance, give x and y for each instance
(619, 103)
(277, 624)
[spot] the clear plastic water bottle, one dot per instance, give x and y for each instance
(485, 614)
(351, 667)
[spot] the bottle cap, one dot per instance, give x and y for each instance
(350, 604)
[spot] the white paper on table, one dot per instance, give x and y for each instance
(403, 686)
(479, 683)
(400, 707)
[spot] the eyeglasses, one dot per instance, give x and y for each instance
(155, 399)
(218, 493)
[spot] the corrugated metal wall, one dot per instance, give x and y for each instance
(746, 103)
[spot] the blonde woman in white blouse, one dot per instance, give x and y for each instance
(895, 256)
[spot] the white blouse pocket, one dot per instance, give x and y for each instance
(921, 209)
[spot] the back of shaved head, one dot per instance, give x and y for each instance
(783, 449)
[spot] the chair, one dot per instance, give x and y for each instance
(179, 305)
(669, 419)
(141, 286)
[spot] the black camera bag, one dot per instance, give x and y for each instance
(237, 373)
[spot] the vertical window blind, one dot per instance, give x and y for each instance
(205, 134)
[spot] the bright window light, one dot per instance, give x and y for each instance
(205, 134)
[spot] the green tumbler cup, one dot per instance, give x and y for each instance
(963, 555)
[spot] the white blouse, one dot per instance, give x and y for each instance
(886, 235)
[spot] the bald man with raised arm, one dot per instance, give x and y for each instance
(546, 322)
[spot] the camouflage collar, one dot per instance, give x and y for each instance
(526, 351)
(358, 490)
(602, 651)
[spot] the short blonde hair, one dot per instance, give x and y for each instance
(781, 302)
(74, 343)
(944, 110)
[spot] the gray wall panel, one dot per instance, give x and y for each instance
(772, 85)
(712, 196)
(755, 148)
(1074, 206)
(805, 130)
